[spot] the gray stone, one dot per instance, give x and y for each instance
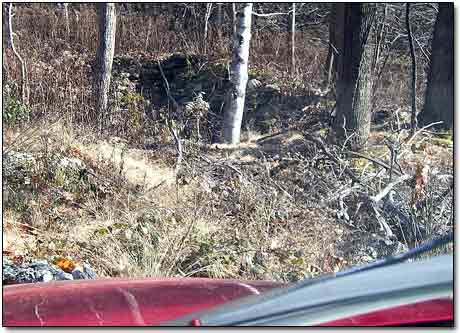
(41, 271)
(85, 273)
(48, 276)
(63, 276)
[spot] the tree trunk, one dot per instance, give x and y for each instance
(354, 72)
(219, 22)
(439, 95)
(238, 77)
(66, 19)
(413, 121)
(206, 21)
(105, 53)
(234, 18)
(292, 39)
(171, 16)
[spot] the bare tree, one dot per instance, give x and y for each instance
(219, 21)
(65, 8)
(206, 20)
(238, 76)
(439, 96)
(413, 122)
(353, 26)
(105, 53)
(24, 83)
(292, 39)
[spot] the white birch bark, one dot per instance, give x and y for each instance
(206, 20)
(238, 77)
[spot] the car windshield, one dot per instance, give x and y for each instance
(324, 300)
(235, 146)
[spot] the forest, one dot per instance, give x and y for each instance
(257, 141)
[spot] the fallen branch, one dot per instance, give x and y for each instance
(388, 188)
(411, 138)
(155, 187)
(374, 160)
(333, 158)
(383, 224)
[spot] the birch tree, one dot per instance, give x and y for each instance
(206, 21)
(105, 53)
(238, 76)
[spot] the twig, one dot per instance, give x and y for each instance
(168, 91)
(179, 149)
(372, 159)
(233, 168)
(155, 187)
(170, 126)
(333, 158)
(388, 188)
(283, 190)
(270, 14)
(383, 224)
(412, 137)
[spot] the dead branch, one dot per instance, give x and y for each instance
(388, 188)
(373, 160)
(171, 127)
(333, 158)
(24, 83)
(383, 224)
(412, 137)
(178, 147)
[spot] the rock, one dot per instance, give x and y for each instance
(89, 271)
(42, 271)
(48, 276)
(62, 276)
(18, 167)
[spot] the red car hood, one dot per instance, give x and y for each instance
(118, 302)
